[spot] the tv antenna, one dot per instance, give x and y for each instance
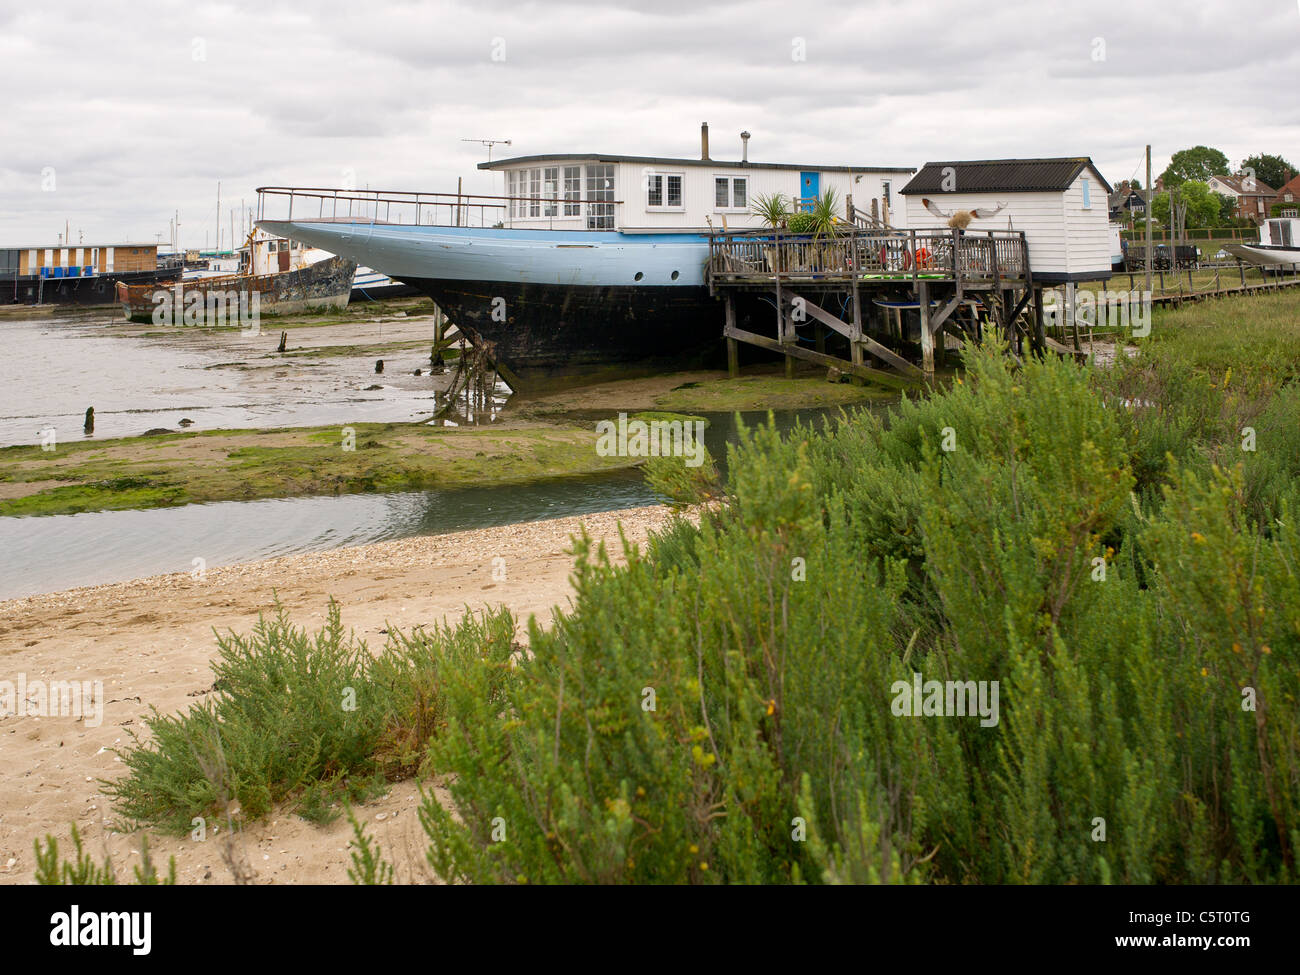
(489, 143)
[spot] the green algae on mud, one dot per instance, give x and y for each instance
(230, 465)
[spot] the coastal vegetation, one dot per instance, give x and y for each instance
(1113, 552)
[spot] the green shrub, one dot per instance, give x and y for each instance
(82, 870)
(801, 222)
(310, 717)
(719, 710)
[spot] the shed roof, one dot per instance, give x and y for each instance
(1002, 176)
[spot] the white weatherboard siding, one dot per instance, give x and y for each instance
(698, 194)
(1039, 215)
(1062, 236)
(1087, 230)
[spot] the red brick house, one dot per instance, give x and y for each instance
(1253, 197)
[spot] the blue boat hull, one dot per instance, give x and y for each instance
(551, 307)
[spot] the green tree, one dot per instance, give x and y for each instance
(1270, 170)
(1204, 208)
(1227, 209)
(1198, 162)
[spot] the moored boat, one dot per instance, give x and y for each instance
(1279, 244)
(325, 284)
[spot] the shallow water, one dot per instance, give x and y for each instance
(46, 553)
(51, 369)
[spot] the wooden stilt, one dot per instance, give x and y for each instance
(733, 350)
(1040, 336)
(927, 339)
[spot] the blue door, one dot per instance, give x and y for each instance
(808, 188)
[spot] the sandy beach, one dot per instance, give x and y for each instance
(150, 642)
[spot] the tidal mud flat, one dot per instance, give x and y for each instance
(198, 415)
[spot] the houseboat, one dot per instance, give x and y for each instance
(85, 274)
(586, 266)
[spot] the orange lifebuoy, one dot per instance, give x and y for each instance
(922, 258)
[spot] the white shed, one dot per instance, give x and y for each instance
(1060, 204)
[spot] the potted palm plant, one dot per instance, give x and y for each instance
(774, 210)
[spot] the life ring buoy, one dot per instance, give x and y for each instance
(922, 258)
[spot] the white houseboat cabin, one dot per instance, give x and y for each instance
(1060, 204)
(641, 194)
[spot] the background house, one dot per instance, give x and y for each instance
(1253, 198)
(1288, 195)
(1126, 202)
(1060, 204)
(663, 193)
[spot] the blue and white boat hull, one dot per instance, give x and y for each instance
(551, 307)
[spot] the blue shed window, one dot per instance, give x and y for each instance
(1087, 196)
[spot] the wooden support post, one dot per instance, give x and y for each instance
(927, 339)
(1072, 321)
(1040, 334)
(855, 339)
(733, 350)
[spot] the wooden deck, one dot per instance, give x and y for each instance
(979, 260)
(829, 282)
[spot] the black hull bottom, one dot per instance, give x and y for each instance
(394, 290)
(550, 336)
(100, 289)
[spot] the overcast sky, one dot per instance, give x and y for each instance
(117, 114)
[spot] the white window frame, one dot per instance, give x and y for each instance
(571, 185)
(1085, 187)
(665, 206)
(732, 179)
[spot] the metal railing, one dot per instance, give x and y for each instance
(982, 255)
(428, 209)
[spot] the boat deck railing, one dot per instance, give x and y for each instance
(329, 205)
(973, 257)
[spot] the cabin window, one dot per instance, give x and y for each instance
(1087, 194)
(730, 192)
(600, 194)
(663, 191)
(550, 189)
(886, 189)
(572, 190)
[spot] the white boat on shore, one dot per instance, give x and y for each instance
(1279, 244)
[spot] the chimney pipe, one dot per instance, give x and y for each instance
(704, 140)
(744, 147)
